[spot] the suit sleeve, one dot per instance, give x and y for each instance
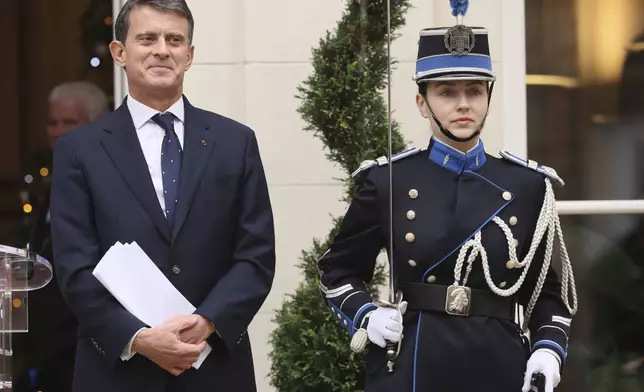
(549, 323)
(350, 260)
(237, 297)
(77, 250)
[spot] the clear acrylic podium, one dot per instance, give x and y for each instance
(20, 271)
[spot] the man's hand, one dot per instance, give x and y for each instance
(199, 331)
(162, 345)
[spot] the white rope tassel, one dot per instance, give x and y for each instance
(548, 221)
(476, 246)
(567, 276)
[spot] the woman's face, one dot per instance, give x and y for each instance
(460, 106)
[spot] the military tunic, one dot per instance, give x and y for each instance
(441, 199)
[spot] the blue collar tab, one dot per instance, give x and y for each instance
(457, 161)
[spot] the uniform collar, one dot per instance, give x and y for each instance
(142, 113)
(455, 160)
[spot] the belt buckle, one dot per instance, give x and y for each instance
(458, 300)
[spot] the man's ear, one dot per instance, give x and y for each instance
(117, 49)
(190, 57)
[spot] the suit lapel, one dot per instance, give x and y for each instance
(123, 146)
(198, 143)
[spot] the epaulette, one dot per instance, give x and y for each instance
(530, 164)
(382, 161)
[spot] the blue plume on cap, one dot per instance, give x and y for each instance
(459, 7)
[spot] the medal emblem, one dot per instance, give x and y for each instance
(458, 300)
(459, 40)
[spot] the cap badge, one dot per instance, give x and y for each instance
(459, 40)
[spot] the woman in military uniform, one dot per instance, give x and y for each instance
(473, 237)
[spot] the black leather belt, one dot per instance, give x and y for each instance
(451, 300)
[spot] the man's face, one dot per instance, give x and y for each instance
(156, 53)
(64, 115)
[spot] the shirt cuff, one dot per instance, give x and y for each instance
(127, 351)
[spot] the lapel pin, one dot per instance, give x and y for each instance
(203, 142)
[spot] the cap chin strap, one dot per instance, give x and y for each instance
(449, 134)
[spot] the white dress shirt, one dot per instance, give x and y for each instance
(151, 136)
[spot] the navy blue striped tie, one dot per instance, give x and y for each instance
(170, 164)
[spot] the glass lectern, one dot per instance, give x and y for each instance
(20, 271)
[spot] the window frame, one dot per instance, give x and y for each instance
(515, 130)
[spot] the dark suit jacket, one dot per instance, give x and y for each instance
(220, 254)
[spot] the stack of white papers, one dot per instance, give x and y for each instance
(138, 284)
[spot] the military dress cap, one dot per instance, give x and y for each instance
(454, 53)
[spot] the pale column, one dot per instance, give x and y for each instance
(120, 84)
(215, 81)
(302, 182)
(404, 51)
(513, 43)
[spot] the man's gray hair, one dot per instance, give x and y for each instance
(178, 7)
(87, 94)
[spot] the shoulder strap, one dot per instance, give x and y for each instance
(382, 161)
(530, 164)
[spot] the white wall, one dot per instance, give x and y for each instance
(251, 54)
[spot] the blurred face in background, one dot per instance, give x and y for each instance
(64, 115)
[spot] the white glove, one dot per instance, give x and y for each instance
(545, 362)
(386, 324)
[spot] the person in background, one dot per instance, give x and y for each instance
(46, 352)
(71, 105)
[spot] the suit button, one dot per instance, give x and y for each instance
(411, 215)
(431, 279)
(412, 263)
(176, 270)
(513, 221)
(507, 196)
(502, 285)
(410, 237)
(510, 264)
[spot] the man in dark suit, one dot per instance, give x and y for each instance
(45, 354)
(186, 185)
